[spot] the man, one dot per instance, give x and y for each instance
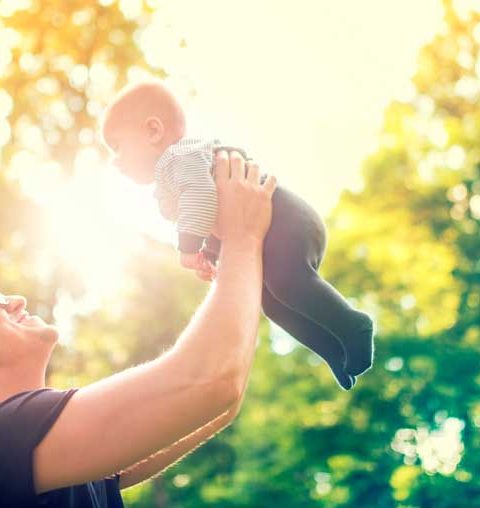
(58, 448)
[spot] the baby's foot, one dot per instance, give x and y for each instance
(359, 347)
(343, 379)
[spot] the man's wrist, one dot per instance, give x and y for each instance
(246, 243)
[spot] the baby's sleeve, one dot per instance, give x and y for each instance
(197, 204)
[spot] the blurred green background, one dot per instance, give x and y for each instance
(404, 246)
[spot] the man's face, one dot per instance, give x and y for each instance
(24, 338)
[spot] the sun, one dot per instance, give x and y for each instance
(96, 219)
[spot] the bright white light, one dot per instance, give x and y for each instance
(9, 7)
(304, 92)
(439, 451)
(475, 206)
(94, 221)
(181, 480)
(5, 132)
(394, 364)
(131, 8)
(457, 193)
(282, 342)
(437, 133)
(5, 57)
(408, 302)
(323, 483)
(6, 104)
(455, 157)
(464, 8)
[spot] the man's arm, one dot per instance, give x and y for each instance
(163, 459)
(118, 421)
(167, 457)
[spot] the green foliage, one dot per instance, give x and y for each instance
(405, 248)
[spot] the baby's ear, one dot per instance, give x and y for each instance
(155, 129)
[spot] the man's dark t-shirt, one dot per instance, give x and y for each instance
(25, 419)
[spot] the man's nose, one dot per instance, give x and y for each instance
(16, 304)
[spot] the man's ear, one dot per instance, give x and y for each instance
(155, 129)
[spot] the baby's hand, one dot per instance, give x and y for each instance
(193, 261)
(208, 271)
(204, 269)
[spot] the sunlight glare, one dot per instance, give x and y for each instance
(95, 223)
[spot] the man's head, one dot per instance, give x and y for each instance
(26, 342)
(139, 124)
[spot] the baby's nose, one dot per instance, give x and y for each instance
(113, 160)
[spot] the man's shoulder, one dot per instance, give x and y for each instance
(21, 399)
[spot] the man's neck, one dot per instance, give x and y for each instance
(13, 381)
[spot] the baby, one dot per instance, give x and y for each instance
(144, 127)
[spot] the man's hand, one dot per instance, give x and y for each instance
(198, 262)
(244, 204)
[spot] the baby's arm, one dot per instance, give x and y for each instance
(197, 208)
(197, 203)
(197, 212)
(204, 269)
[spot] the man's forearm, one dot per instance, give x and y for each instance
(167, 457)
(220, 339)
(205, 373)
(223, 331)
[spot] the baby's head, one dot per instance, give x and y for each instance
(139, 124)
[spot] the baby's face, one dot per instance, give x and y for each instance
(131, 152)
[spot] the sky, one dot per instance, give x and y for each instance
(302, 86)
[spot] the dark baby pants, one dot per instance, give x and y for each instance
(302, 303)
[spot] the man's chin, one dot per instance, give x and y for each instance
(46, 333)
(50, 334)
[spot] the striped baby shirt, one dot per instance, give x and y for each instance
(185, 189)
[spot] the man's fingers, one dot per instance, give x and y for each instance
(237, 166)
(270, 184)
(253, 175)
(222, 168)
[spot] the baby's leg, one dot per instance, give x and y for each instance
(311, 335)
(298, 286)
(293, 250)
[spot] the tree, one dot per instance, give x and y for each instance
(406, 249)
